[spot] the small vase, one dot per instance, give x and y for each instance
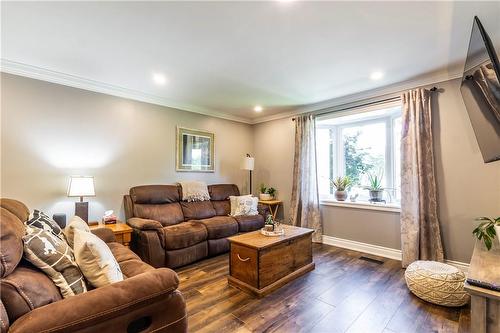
(341, 195)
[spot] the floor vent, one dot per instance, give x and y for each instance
(379, 262)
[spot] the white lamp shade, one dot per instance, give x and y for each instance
(81, 186)
(248, 163)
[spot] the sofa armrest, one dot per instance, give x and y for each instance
(105, 234)
(144, 224)
(147, 301)
(263, 210)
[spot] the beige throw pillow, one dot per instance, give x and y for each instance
(95, 259)
(243, 205)
(75, 223)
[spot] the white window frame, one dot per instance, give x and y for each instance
(390, 163)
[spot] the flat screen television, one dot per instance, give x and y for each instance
(480, 90)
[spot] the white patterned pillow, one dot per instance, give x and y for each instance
(55, 258)
(42, 221)
(76, 223)
(244, 205)
(96, 259)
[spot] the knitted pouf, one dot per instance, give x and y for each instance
(437, 283)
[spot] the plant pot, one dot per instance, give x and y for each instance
(497, 231)
(341, 195)
(265, 197)
(377, 195)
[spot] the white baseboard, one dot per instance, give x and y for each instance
(380, 251)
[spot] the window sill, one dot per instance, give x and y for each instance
(361, 205)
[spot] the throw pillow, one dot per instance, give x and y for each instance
(42, 221)
(95, 259)
(76, 223)
(233, 202)
(194, 191)
(245, 205)
(55, 258)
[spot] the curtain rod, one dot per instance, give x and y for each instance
(391, 99)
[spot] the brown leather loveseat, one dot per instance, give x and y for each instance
(147, 300)
(169, 232)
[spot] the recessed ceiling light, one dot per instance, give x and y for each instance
(159, 79)
(377, 75)
(258, 108)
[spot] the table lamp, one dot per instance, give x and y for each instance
(81, 186)
(248, 164)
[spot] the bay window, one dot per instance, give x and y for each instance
(359, 143)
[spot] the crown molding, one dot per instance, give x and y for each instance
(38, 73)
(392, 89)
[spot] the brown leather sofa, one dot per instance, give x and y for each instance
(169, 232)
(147, 300)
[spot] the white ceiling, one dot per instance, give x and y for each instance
(223, 58)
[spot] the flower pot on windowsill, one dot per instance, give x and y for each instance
(341, 195)
(265, 196)
(376, 195)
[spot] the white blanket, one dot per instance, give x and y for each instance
(194, 191)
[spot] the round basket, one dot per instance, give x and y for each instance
(437, 283)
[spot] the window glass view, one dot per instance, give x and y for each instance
(365, 146)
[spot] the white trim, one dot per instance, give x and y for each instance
(361, 205)
(358, 98)
(38, 73)
(377, 250)
(380, 251)
(17, 68)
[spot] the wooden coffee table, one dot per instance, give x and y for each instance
(260, 264)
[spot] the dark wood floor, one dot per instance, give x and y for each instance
(343, 294)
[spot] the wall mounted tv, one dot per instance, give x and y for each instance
(481, 90)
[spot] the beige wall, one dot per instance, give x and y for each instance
(466, 186)
(51, 131)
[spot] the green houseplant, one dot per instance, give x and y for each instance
(266, 193)
(341, 184)
(487, 230)
(374, 187)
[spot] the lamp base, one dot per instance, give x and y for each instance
(82, 210)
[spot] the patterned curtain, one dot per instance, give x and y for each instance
(304, 210)
(420, 231)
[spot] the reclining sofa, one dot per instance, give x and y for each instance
(169, 232)
(146, 300)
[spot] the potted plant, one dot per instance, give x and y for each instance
(375, 188)
(266, 193)
(487, 230)
(341, 185)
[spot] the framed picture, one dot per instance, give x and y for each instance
(195, 150)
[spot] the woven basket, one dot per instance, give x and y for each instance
(437, 283)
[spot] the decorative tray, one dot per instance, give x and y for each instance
(275, 233)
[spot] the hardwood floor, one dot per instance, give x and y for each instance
(343, 294)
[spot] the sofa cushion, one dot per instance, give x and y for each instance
(220, 192)
(134, 267)
(121, 252)
(220, 226)
(11, 244)
(75, 223)
(166, 214)
(26, 289)
(16, 207)
(183, 235)
(155, 194)
(249, 222)
(197, 210)
(222, 208)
